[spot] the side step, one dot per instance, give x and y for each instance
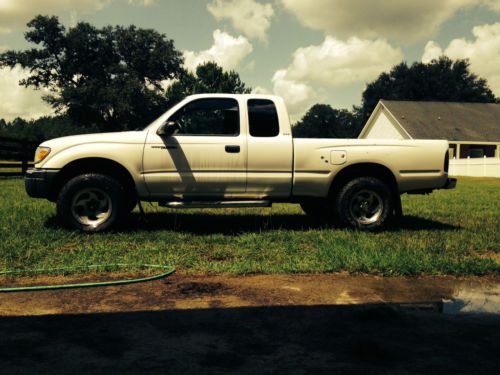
(215, 204)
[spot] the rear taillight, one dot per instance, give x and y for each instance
(446, 161)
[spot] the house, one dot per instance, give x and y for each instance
(472, 129)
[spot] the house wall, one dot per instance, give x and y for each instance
(384, 128)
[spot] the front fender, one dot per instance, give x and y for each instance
(128, 155)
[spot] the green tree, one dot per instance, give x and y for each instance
(208, 78)
(109, 77)
(43, 128)
(322, 121)
(440, 80)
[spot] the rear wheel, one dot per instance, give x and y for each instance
(92, 202)
(364, 203)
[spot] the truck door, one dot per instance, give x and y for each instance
(270, 150)
(205, 156)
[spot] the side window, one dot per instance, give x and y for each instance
(263, 118)
(208, 117)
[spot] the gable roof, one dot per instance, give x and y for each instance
(473, 122)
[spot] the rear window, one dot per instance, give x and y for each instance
(263, 118)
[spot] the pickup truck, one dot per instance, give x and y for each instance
(223, 150)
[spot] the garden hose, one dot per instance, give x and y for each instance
(167, 272)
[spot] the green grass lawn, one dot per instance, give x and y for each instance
(448, 232)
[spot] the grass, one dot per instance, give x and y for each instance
(453, 232)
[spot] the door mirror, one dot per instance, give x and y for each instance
(167, 129)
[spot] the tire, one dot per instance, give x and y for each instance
(364, 203)
(131, 202)
(316, 208)
(92, 203)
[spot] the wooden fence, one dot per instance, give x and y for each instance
(16, 156)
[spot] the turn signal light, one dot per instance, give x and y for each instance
(41, 153)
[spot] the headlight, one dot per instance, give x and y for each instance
(41, 153)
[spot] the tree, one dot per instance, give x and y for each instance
(208, 78)
(440, 80)
(322, 121)
(41, 129)
(109, 77)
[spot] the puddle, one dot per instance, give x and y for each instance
(477, 299)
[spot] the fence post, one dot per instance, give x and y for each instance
(24, 165)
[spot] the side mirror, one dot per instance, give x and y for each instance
(167, 128)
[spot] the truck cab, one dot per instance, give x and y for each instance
(220, 146)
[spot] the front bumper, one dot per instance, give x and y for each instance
(451, 183)
(38, 182)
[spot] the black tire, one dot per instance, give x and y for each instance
(364, 203)
(92, 203)
(318, 208)
(130, 203)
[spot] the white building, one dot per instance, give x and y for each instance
(473, 130)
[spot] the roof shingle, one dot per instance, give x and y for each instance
(473, 122)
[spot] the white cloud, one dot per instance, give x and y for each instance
(407, 20)
(19, 101)
(333, 63)
(432, 51)
(227, 51)
(298, 96)
(144, 3)
(337, 63)
(260, 90)
(16, 13)
(250, 17)
(483, 53)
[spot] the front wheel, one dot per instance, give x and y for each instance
(91, 202)
(364, 203)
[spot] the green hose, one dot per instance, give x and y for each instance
(168, 272)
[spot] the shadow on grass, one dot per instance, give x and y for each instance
(411, 222)
(230, 224)
(360, 339)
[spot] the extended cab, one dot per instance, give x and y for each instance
(221, 150)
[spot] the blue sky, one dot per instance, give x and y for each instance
(307, 51)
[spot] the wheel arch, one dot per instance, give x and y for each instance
(93, 165)
(361, 170)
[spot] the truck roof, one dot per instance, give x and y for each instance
(236, 96)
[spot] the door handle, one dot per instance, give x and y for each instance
(232, 149)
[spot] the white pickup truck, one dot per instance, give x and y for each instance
(221, 150)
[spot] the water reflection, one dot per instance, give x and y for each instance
(474, 299)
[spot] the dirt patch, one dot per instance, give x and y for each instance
(197, 289)
(181, 291)
(262, 324)
(490, 255)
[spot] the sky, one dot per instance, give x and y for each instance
(308, 51)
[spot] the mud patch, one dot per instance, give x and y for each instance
(215, 291)
(200, 289)
(276, 324)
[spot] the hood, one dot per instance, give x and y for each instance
(115, 137)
